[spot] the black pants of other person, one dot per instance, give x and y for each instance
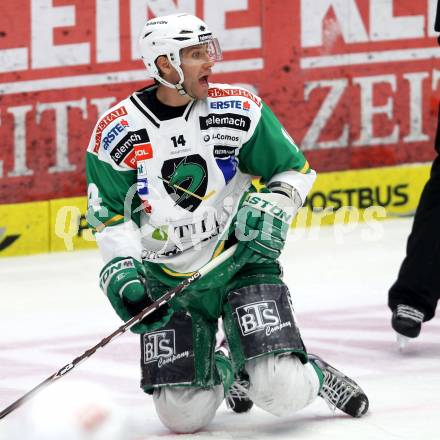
(418, 282)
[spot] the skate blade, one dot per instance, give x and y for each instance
(402, 342)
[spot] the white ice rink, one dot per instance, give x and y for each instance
(52, 310)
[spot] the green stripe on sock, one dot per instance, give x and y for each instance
(319, 373)
(225, 370)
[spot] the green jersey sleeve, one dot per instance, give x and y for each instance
(270, 150)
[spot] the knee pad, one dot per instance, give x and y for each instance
(185, 410)
(180, 353)
(259, 320)
(281, 384)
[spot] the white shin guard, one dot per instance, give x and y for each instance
(281, 384)
(185, 410)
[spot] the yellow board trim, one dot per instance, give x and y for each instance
(60, 224)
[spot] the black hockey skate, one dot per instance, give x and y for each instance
(339, 391)
(237, 397)
(407, 321)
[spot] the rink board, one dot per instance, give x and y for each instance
(337, 197)
(364, 195)
(355, 83)
(24, 228)
(68, 226)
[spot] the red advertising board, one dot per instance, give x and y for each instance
(355, 82)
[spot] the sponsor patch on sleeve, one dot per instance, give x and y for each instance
(222, 93)
(125, 152)
(105, 122)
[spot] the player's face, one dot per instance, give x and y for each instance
(196, 63)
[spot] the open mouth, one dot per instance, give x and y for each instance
(204, 80)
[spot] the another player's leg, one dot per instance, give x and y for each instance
(407, 321)
(413, 297)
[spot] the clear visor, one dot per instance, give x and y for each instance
(207, 52)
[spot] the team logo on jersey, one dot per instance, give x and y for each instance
(186, 180)
(225, 120)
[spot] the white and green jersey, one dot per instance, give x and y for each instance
(165, 191)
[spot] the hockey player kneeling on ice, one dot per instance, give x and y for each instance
(170, 188)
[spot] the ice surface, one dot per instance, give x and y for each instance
(52, 310)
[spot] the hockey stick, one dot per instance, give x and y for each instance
(147, 311)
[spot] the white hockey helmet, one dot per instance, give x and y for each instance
(167, 35)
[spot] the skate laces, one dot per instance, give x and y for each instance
(408, 312)
(336, 391)
(237, 391)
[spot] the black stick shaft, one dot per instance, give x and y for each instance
(122, 329)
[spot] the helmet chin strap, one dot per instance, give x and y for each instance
(174, 60)
(178, 86)
(181, 89)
